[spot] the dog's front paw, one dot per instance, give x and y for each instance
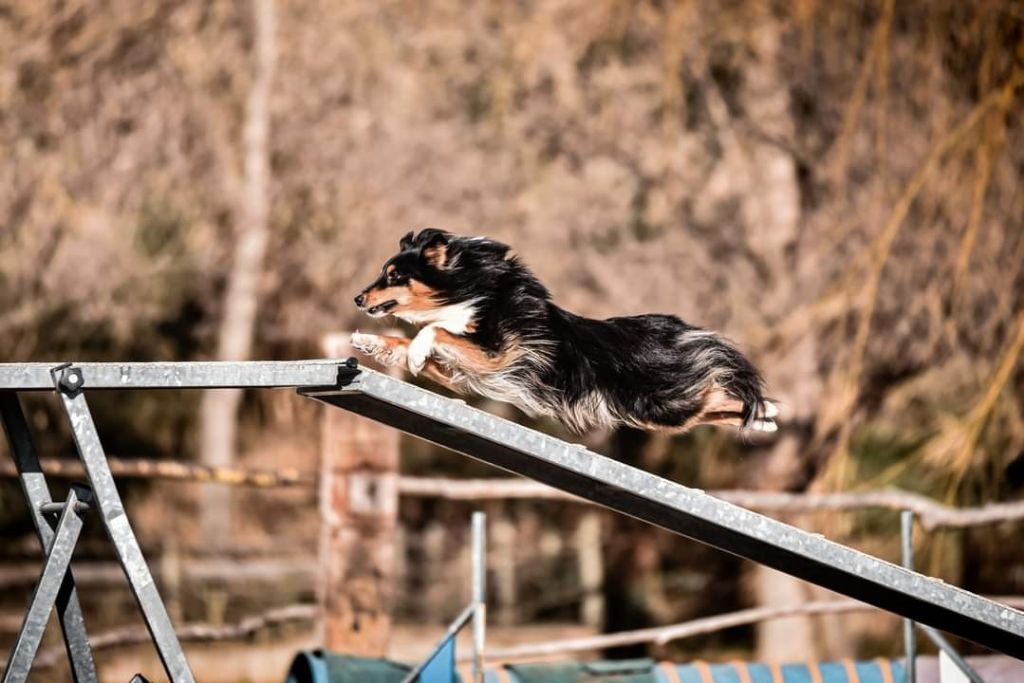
(388, 351)
(420, 349)
(370, 344)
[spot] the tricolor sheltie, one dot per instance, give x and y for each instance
(489, 326)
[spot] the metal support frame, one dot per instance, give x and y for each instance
(907, 552)
(56, 586)
(479, 532)
(465, 616)
(33, 485)
(69, 382)
(475, 611)
(683, 510)
(54, 582)
(940, 642)
(504, 444)
(910, 642)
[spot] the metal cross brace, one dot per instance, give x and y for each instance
(69, 382)
(33, 484)
(55, 584)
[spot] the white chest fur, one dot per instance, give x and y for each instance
(455, 318)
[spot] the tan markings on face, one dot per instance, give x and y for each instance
(436, 255)
(382, 295)
(418, 297)
(470, 357)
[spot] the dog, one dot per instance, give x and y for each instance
(488, 326)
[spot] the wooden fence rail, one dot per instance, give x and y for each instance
(664, 634)
(931, 513)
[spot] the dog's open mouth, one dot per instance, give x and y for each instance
(382, 309)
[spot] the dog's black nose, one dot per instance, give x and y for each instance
(360, 300)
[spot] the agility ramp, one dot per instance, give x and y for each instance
(450, 423)
(683, 510)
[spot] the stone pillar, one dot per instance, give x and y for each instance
(359, 512)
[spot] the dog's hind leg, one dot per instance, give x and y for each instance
(718, 401)
(435, 372)
(463, 353)
(733, 419)
(721, 408)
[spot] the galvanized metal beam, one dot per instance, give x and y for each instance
(683, 510)
(177, 375)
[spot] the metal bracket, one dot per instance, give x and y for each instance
(83, 504)
(69, 379)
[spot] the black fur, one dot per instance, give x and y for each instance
(648, 371)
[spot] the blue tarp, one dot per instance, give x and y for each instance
(328, 667)
(878, 671)
(441, 667)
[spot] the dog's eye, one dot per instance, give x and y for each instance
(393, 276)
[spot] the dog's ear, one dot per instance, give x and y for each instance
(435, 248)
(492, 248)
(406, 241)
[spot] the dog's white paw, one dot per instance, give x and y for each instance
(420, 349)
(379, 348)
(771, 410)
(370, 344)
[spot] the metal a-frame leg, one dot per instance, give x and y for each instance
(33, 484)
(51, 581)
(69, 382)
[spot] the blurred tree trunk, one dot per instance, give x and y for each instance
(771, 210)
(219, 410)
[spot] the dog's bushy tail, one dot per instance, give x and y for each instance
(741, 380)
(758, 412)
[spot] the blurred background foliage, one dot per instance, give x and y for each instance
(837, 186)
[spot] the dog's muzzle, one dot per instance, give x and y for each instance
(382, 309)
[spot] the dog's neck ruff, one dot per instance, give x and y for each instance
(456, 318)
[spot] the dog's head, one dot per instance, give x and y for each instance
(431, 270)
